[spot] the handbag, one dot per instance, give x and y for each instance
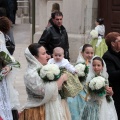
(9, 44)
(72, 86)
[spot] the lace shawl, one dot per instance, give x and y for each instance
(13, 93)
(80, 58)
(5, 107)
(91, 73)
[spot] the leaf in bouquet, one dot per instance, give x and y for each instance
(99, 92)
(5, 57)
(108, 98)
(8, 61)
(86, 70)
(1, 77)
(62, 70)
(15, 64)
(82, 79)
(56, 77)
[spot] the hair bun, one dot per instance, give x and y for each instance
(100, 20)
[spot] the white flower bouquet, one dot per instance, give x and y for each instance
(97, 86)
(94, 34)
(82, 71)
(50, 72)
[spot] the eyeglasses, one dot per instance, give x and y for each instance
(117, 40)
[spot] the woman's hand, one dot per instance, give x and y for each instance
(61, 80)
(109, 90)
(6, 70)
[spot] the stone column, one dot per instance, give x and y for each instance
(41, 18)
(74, 22)
(91, 15)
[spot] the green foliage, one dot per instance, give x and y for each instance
(5, 60)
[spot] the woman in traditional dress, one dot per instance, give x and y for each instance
(9, 102)
(5, 106)
(98, 41)
(100, 105)
(76, 104)
(44, 102)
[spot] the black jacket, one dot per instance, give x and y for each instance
(112, 60)
(54, 37)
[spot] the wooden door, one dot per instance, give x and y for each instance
(110, 11)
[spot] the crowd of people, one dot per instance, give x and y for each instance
(98, 98)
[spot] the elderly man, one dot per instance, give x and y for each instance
(55, 35)
(112, 60)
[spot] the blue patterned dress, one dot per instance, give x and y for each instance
(77, 104)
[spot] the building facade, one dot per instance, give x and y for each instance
(78, 18)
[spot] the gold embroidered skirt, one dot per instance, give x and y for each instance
(36, 113)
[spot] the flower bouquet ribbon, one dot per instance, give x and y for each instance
(5, 60)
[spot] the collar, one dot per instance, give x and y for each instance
(113, 52)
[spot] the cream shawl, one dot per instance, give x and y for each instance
(48, 92)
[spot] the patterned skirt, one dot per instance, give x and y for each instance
(36, 113)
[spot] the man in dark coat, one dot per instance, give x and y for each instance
(12, 7)
(112, 60)
(55, 35)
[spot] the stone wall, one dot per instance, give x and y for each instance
(78, 19)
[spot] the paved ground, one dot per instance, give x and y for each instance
(22, 40)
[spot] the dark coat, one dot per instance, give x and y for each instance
(54, 37)
(4, 8)
(112, 60)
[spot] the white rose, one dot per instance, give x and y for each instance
(92, 84)
(42, 74)
(100, 82)
(55, 69)
(80, 69)
(50, 75)
(97, 83)
(49, 70)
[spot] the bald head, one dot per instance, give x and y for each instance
(58, 50)
(58, 54)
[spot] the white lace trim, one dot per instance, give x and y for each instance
(5, 108)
